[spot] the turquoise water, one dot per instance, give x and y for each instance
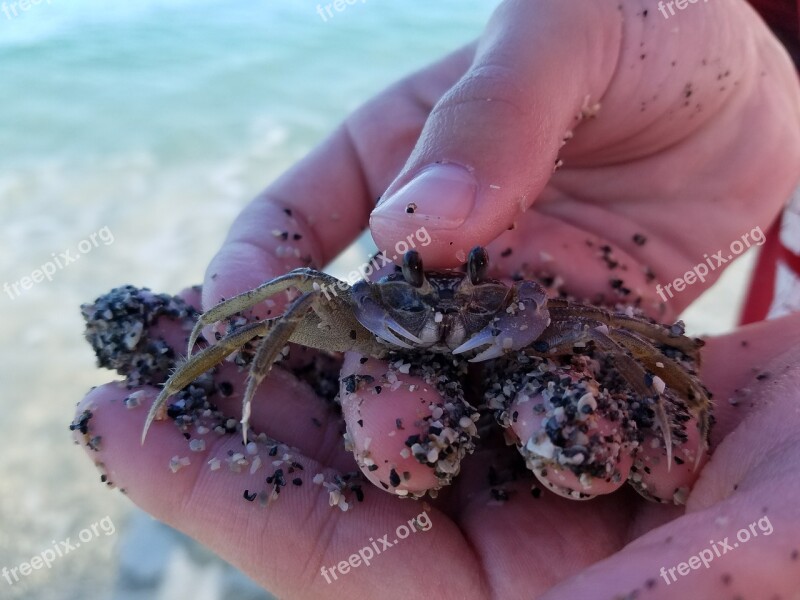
(155, 121)
(187, 80)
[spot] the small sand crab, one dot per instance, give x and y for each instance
(466, 314)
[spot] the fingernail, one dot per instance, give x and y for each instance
(441, 196)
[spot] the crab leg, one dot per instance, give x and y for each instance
(657, 333)
(561, 338)
(638, 377)
(671, 372)
(302, 279)
(673, 376)
(270, 348)
(202, 362)
(308, 321)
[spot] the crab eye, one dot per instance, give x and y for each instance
(477, 265)
(412, 268)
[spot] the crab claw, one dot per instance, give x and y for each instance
(515, 327)
(374, 318)
(386, 334)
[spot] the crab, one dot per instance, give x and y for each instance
(460, 313)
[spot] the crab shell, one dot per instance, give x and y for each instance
(451, 312)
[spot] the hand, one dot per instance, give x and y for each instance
(541, 65)
(472, 546)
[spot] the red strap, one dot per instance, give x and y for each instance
(791, 259)
(762, 281)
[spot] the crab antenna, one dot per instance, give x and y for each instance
(477, 264)
(412, 269)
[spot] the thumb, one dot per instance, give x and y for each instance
(490, 144)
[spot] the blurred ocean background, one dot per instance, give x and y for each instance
(156, 121)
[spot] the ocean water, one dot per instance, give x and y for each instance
(131, 135)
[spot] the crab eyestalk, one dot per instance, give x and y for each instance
(413, 272)
(477, 265)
